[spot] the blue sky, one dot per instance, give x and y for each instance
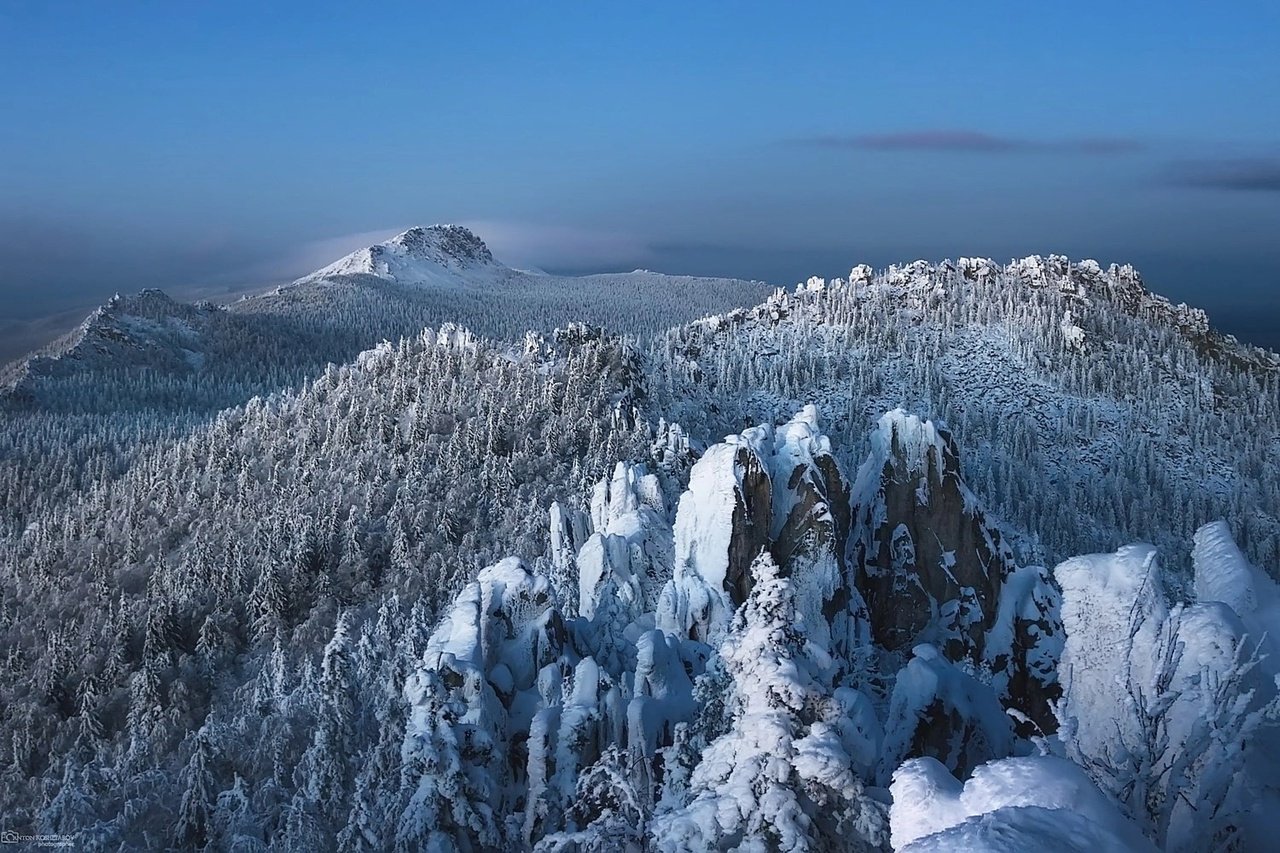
(224, 145)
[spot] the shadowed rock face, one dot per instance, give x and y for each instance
(752, 515)
(931, 564)
(934, 569)
(819, 519)
(775, 489)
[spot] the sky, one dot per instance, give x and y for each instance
(209, 148)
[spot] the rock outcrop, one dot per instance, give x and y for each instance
(777, 490)
(933, 569)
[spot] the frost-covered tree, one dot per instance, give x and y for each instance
(194, 829)
(1167, 706)
(783, 776)
(448, 788)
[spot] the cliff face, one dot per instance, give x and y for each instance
(933, 569)
(770, 489)
(928, 563)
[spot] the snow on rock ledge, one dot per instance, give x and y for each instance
(1008, 806)
(933, 569)
(940, 711)
(1221, 572)
(630, 551)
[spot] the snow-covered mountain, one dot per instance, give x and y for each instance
(856, 567)
(145, 368)
(418, 256)
(422, 277)
(1083, 402)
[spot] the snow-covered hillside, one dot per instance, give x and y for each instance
(149, 351)
(1089, 411)
(146, 368)
(858, 567)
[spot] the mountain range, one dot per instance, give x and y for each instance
(424, 552)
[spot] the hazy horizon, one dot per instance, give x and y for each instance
(707, 140)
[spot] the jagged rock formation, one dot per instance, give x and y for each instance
(470, 707)
(607, 686)
(939, 711)
(934, 570)
(629, 555)
(777, 490)
(695, 646)
(929, 565)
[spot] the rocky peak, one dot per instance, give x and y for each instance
(448, 245)
(419, 255)
(933, 569)
(768, 489)
(928, 564)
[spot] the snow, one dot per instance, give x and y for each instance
(703, 532)
(1167, 701)
(1103, 595)
(922, 447)
(1072, 334)
(1012, 805)
(417, 256)
(796, 444)
(1028, 596)
(932, 695)
(1223, 574)
(600, 667)
(499, 607)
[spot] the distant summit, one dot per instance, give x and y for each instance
(416, 256)
(446, 244)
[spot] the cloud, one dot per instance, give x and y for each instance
(972, 142)
(527, 244)
(1257, 174)
(308, 257)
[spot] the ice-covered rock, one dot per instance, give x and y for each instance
(628, 515)
(939, 711)
(1008, 806)
(933, 569)
(810, 531)
(722, 523)
(1222, 573)
(505, 616)
(1112, 603)
(1023, 647)
(771, 489)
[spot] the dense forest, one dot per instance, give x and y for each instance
(839, 568)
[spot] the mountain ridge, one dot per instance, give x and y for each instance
(416, 254)
(296, 578)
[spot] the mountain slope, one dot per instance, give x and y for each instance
(146, 368)
(1090, 411)
(520, 594)
(418, 279)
